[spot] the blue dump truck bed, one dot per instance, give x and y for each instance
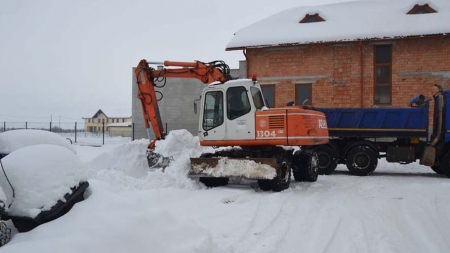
(377, 122)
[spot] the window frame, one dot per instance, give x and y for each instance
(310, 92)
(222, 119)
(274, 94)
(375, 65)
(248, 102)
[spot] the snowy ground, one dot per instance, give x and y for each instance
(131, 209)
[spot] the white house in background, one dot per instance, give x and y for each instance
(120, 129)
(114, 126)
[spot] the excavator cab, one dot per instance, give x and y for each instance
(228, 111)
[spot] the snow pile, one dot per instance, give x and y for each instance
(179, 143)
(40, 175)
(126, 165)
(237, 168)
(117, 222)
(16, 139)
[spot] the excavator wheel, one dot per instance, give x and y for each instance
(214, 181)
(281, 181)
(305, 166)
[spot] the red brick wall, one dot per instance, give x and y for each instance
(341, 63)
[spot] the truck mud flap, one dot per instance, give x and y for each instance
(25, 224)
(249, 168)
(428, 156)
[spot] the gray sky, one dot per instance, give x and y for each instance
(70, 58)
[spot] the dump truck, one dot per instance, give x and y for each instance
(360, 136)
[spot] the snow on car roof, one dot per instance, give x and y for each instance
(348, 21)
(16, 139)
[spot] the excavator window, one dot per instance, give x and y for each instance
(213, 110)
(237, 102)
(257, 97)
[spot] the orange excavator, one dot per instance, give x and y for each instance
(262, 142)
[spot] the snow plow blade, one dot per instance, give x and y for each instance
(249, 168)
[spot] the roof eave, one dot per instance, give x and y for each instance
(339, 41)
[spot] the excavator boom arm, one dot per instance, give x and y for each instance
(146, 76)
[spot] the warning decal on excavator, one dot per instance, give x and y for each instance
(323, 124)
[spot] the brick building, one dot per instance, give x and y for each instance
(353, 54)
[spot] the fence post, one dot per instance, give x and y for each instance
(4, 126)
(103, 130)
(26, 125)
(75, 132)
(50, 126)
(132, 131)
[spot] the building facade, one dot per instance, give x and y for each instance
(115, 126)
(323, 58)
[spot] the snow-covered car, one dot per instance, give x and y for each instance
(16, 139)
(41, 177)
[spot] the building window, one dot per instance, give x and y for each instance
(89, 120)
(98, 121)
(421, 9)
(383, 75)
(303, 94)
(312, 18)
(269, 95)
(123, 120)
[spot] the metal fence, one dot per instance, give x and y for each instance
(74, 131)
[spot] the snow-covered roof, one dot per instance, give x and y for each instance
(347, 21)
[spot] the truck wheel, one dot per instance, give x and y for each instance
(327, 159)
(305, 166)
(445, 164)
(214, 181)
(361, 160)
(283, 179)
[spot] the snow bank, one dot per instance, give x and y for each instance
(112, 222)
(126, 165)
(40, 175)
(16, 139)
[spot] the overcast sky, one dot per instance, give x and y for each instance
(70, 58)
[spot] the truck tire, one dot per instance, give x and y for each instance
(305, 166)
(361, 160)
(445, 164)
(283, 179)
(214, 181)
(326, 159)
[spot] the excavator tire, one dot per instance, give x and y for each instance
(305, 166)
(214, 181)
(265, 185)
(283, 179)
